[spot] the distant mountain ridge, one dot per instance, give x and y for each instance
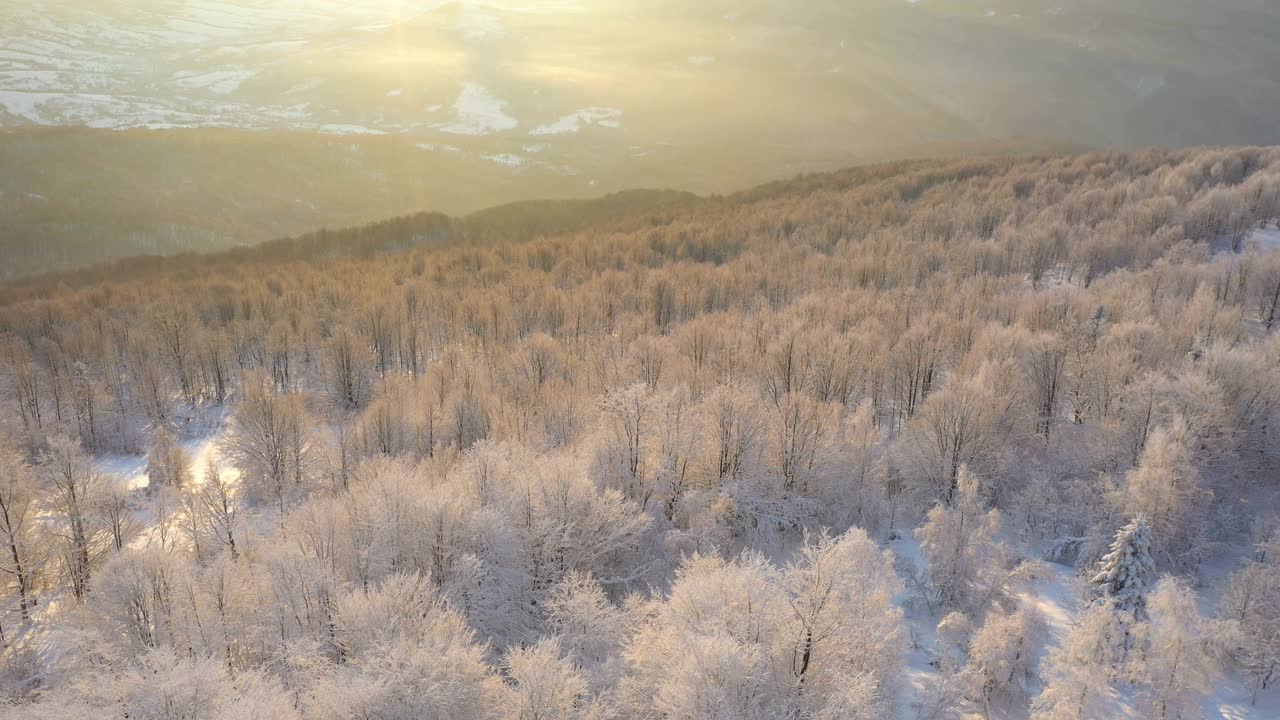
(75, 197)
(512, 222)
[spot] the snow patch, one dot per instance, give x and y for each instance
(429, 147)
(345, 129)
(478, 112)
(573, 122)
(1263, 240)
(130, 471)
(1266, 240)
(220, 82)
(91, 109)
(25, 104)
(507, 159)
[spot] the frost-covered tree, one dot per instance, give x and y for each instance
(957, 426)
(546, 686)
(628, 413)
(404, 654)
(272, 442)
(116, 507)
(218, 500)
(1126, 573)
(1044, 364)
(75, 489)
(21, 557)
(172, 327)
(733, 430)
(799, 428)
(715, 677)
(138, 599)
(1078, 673)
(164, 684)
(749, 639)
(1165, 489)
(719, 615)
(839, 589)
(24, 383)
(967, 565)
(1176, 665)
(1251, 599)
(857, 697)
(589, 627)
(852, 491)
(1003, 658)
(348, 367)
(955, 630)
(168, 464)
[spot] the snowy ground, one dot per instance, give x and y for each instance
(478, 112)
(201, 438)
(227, 63)
(1267, 240)
(1263, 240)
(573, 122)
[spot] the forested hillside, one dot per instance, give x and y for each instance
(504, 223)
(75, 197)
(968, 438)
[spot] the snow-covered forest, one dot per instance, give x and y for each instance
(991, 438)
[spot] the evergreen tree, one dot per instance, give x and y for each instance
(1127, 572)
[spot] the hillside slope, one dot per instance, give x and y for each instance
(606, 454)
